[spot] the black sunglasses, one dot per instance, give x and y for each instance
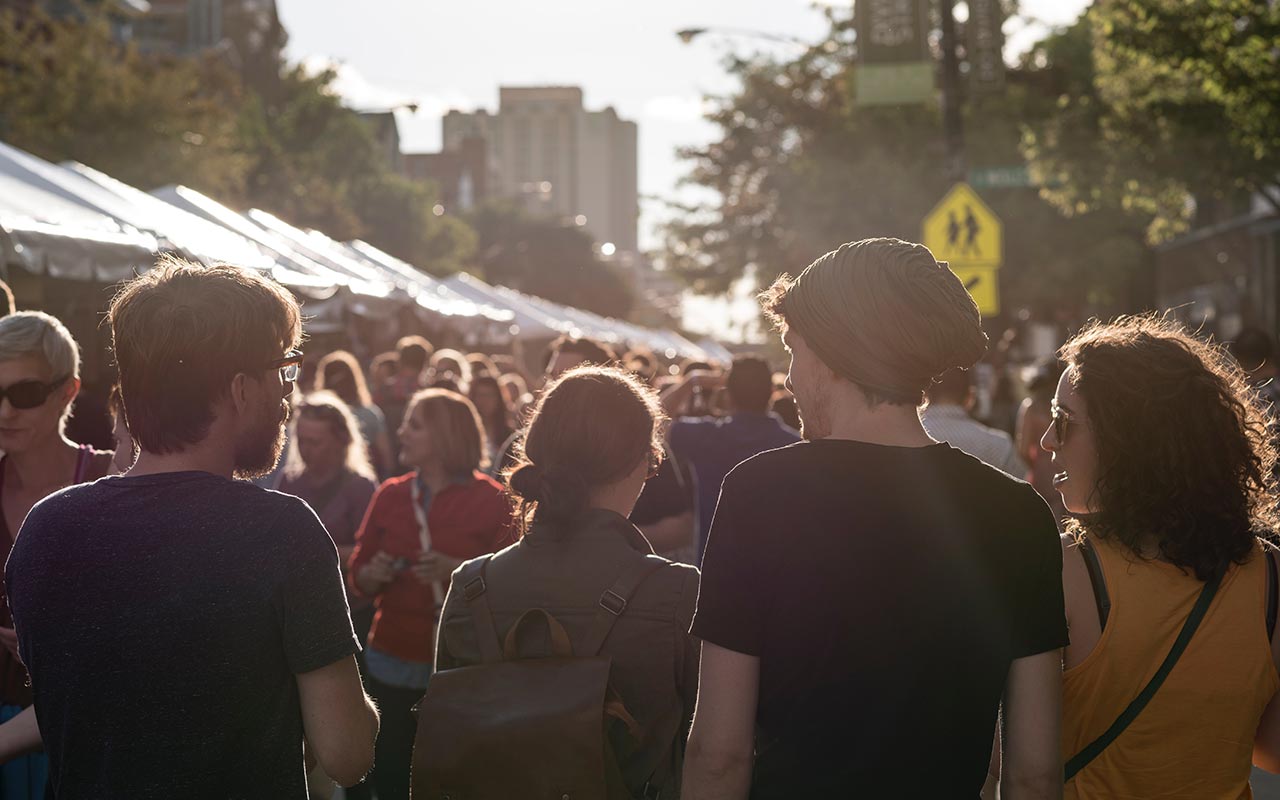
(29, 394)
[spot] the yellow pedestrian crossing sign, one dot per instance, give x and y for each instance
(983, 284)
(964, 232)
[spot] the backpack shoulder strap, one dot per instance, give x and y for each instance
(471, 580)
(1091, 751)
(1099, 582)
(1273, 591)
(613, 603)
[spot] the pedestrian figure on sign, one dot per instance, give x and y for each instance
(953, 230)
(971, 228)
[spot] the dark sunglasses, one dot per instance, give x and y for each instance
(29, 394)
(289, 366)
(1061, 423)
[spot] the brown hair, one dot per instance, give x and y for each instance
(354, 391)
(591, 428)
(413, 352)
(1184, 451)
(181, 332)
(591, 351)
(456, 429)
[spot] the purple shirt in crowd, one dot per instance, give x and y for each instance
(340, 503)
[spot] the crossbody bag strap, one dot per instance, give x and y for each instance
(471, 579)
(1273, 591)
(1097, 580)
(1091, 751)
(613, 603)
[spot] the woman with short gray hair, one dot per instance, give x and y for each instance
(39, 380)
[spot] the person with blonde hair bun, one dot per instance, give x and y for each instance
(870, 597)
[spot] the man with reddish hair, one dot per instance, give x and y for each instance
(204, 632)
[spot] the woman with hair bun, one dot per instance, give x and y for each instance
(1166, 465)
(594, 438)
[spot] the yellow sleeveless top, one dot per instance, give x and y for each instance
(1194, 740)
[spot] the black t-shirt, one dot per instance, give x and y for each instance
(885, 591)
(163, 619)
(666, 494)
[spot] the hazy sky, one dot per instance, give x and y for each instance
(455, 54)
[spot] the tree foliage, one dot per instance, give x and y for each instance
(69, 91)
(1182, 102)
(798, 167)
(266, 135)
(546, 257)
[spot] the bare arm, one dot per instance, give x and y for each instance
(339, 720)
(722, 741)
(670, 533)
(20, 735)
(1266, 742)
(676, 397)
(1031, 762)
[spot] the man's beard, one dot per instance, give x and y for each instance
(259, 449)
(815, 416)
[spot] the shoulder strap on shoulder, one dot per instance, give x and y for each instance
(1131, 712)
(1099, 582)
(1273, 591)
(471, 580)
(613, 603)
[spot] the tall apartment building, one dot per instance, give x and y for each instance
(543, 144)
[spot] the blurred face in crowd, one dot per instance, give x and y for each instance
(26, 380)
(322, 451)
(810, 381)
(1070, 442)
(262, 435)
(487, 399)
(382, 373)
(416, 447)
(338, 381)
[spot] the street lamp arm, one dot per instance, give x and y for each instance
(689, 34)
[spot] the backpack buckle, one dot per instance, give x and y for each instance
(474, 588)
(613, 602)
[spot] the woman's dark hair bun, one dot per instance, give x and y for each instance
(526, 481)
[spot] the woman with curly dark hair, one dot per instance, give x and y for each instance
(1166, 466)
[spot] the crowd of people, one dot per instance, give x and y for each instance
(621, 577)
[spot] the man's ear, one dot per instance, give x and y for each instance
(240, 391)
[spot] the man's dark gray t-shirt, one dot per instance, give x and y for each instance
(163, 619)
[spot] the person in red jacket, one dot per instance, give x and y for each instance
(418, 529)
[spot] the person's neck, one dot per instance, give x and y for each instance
(435, 477)
(207, 456)
(854, 419)
(48, 463)
(618, 498)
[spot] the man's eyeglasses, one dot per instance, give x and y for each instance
(29, 394)
(1061, 422)
(655, 465)
(289, 366)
